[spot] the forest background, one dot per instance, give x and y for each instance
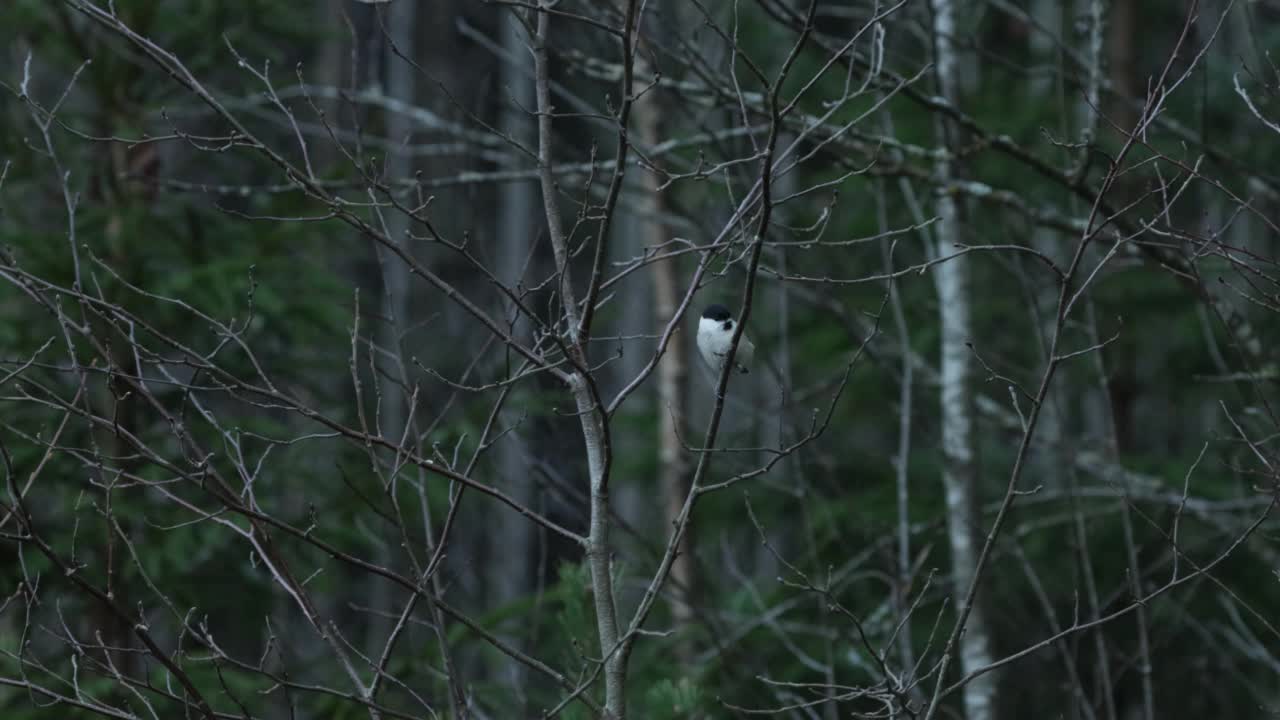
(347, 359)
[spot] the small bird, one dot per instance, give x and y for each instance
(715, 331)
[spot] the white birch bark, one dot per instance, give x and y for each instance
(952, 279)
(1053, 463)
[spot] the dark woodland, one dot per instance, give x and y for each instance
(351, 362)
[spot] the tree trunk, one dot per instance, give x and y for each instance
(399, 80)
(959, 475)
(509, 566)
(1052, 457)
(1121, 57)
(591, 416)
(673, 465)
(395, 274)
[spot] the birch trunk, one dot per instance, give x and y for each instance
(1053, 461)
(959, 475)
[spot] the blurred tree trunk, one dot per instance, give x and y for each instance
(1062, 409)
(332, 68)
(400, 85)
(508, 569)
(1121, 26)
(633, 307)
(1045, 89)
(673, 465)
(959, 474)
(122, 196)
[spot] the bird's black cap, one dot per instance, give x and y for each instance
(716, 312)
